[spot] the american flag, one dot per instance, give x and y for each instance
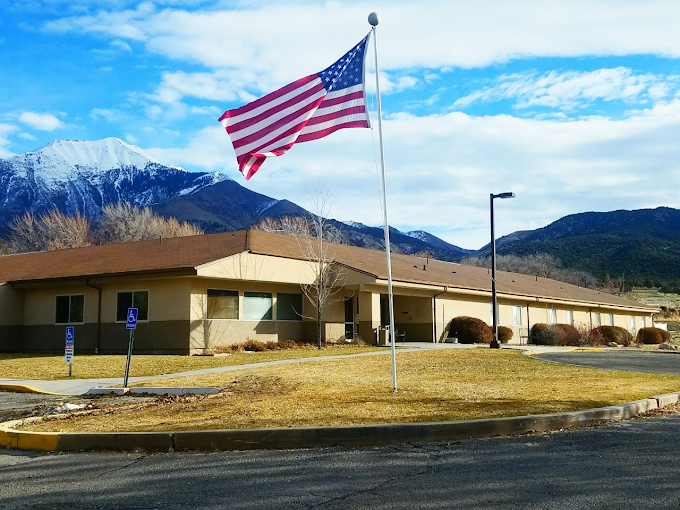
(307, 109)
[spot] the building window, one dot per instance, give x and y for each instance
(498, 314)
(516, 315)
(222, 304)
(138, 299)
(552, 316)
(257, 306)
(69, 309)
(632, 322)
(288, 307)
(644, 322)
(570, 317)
(598, 320)
(611, 319)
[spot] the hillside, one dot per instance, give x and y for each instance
(643, 245)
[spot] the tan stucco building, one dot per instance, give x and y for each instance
(195, 293)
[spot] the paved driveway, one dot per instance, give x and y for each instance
(649, 362)
(626, 465)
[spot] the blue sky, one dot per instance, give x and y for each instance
(572, 105)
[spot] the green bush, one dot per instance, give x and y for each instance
(504, 334)
(469, 330)
(603, 335)
(653, 336)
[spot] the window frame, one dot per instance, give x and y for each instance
(132, 301)
(570, 317)
(70, 296)
(207, 305)
(598, 319)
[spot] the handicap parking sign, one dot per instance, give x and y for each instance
(131, 318)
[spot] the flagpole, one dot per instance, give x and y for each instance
(374, 19)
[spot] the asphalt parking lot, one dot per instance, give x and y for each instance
(629, 361)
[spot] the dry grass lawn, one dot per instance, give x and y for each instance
(433, 385)
(50, 367)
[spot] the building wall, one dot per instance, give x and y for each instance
(165, 332)
(208, 333)
(11, 306)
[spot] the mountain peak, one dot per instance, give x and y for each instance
(98, 155)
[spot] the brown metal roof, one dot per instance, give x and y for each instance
(412, 269)
(111, 259)
(190, 252)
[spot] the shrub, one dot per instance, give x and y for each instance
(469, 330)
(567, 334)
(253, 345)
(603, 335)
(555, 334)
(504, 334)
(543, 334)
(653, 336)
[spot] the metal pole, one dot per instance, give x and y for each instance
(495, 344)
(374, 19)
(129, 355)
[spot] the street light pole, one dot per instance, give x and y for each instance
(495, 344)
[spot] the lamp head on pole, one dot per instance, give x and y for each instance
(374, 18)
(507, 194)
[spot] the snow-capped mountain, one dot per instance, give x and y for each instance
(75, 175)
(80, 176)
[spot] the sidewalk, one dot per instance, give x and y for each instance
(82, 386)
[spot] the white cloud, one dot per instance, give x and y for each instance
(571, 89)
(121, 45)
(5, 130)
(410, 35)
(41, 121)
(441, 169)
(109, 115)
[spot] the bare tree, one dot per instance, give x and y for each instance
(539, 264)
(314, 235)
(51, 231)
(123, 222)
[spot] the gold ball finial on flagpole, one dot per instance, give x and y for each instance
(374, 18)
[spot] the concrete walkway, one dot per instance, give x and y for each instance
(82, 386)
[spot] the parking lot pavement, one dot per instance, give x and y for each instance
(629, 361)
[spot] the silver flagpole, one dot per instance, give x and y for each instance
(374, 19)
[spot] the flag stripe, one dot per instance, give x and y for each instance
(307, 136)
(250, 138)
(272, 97)
(276, 111)
(266, 140)
(358, 111)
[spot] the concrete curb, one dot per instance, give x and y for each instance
(26, 388)
(319, 437)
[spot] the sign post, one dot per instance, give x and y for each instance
(68, 352)
(131, 325)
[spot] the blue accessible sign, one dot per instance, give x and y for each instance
(70, 340)
(131, 318)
